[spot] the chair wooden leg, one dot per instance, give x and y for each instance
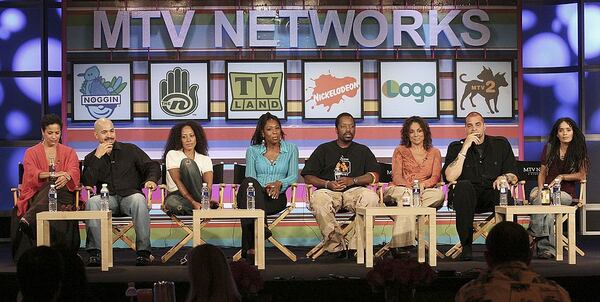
(566, 245)
(190, 234)
(382, 251)
(119, 233)
(283, 249)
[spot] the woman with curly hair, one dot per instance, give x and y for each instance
(564, 158)
(414, 159)
(271, 167)
(188, 166)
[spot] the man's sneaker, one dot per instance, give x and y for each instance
(94, 259)
(143, 258)
(545, 255)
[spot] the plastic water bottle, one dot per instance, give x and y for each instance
(205, 197)
(250, 193)
(416, 194)
(503, 192)
(545, 195)
(104, 198)
(556, 192)
(406, 199)
(52, 199)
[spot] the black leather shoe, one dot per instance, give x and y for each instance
(467, 254)
(94, 259)
(143, 258)
(400, 252)
(25, 228)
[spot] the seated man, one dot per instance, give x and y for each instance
(126, 169)
(478, 164)
(509, 277)
(340, 169)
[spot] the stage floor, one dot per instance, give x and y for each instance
(328, 270)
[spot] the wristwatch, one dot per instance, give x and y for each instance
(355, 180)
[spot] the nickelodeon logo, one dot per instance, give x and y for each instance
(256, 91)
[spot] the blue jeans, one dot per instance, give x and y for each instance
(133, 205)
(541, 226)
(192, 180)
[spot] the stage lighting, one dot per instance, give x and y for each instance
(17, 123)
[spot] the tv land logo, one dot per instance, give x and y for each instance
(419, 91)
(99, 96)
(329, 90)
(177, 97)
(256, 91)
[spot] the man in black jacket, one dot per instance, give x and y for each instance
(477, 164)
(126, 169)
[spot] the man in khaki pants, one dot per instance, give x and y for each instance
(341, 170)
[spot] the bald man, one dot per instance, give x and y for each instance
(126, 169)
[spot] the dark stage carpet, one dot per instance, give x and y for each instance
(326, 279)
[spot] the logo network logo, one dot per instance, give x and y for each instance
(99, 96)
(177, 96)
(392, 89)
(330, 90)
(256, 91)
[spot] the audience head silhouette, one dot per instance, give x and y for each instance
(507, 241)
(40, 272)
(210, 277)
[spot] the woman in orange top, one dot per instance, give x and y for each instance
(49, 162)
(414, 159)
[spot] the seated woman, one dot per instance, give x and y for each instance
(271, 167)
(188, 166)
(46, 163)
(564, 157)
(414, 159)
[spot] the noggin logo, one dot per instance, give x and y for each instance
(99, 96)
(256, 91)
(330, 90)
(391, 89)
(177, 96)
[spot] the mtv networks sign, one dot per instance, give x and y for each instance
(254, 89)
(281, 28)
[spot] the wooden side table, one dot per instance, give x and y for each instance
(558, 211)
(259, 227)
(364, 225)
(105, 217)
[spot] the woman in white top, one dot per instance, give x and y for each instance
(188, 166)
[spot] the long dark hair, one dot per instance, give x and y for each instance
(174, 139)
(210, 276)
(405, 132)
(576, 156)
(257, 137)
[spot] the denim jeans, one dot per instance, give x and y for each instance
(134, 206)
(192, 180)
(541, 226)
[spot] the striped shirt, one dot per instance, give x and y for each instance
(284, 168)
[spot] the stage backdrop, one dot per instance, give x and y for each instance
(253, 51)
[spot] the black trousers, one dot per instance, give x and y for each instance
(63, 234)
(262, 201)
(468, 199)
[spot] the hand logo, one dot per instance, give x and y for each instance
(177, 96)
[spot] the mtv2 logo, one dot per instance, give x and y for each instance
(392, 89)
(256, 91)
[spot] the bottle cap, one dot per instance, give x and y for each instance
(204, 184)
(250, 184)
